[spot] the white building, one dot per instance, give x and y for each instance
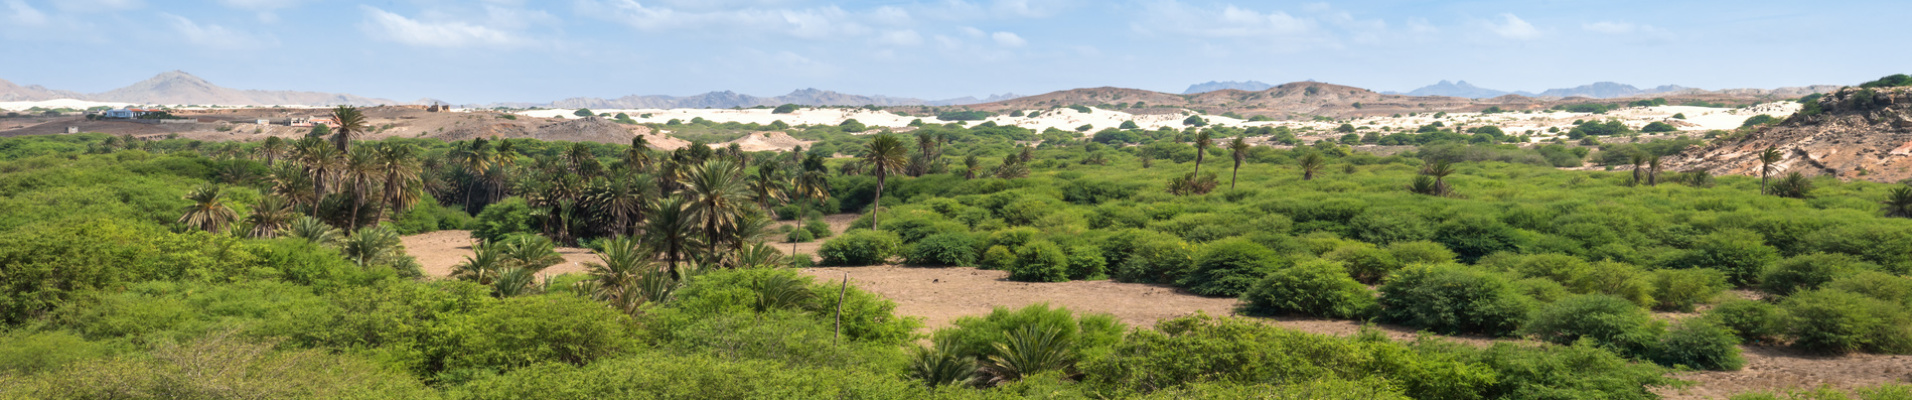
(130, 113)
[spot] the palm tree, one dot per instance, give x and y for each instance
(1439, 170)
(638, 156)
(1898, 202)
(623, 198)
(1639, 165)
(399, 164)
(971, 165)
(1653, 170)
(1029, 350)
(350, 123)
(1767, 161)
(1202, 142)
(271, 149)
(618, 276)
(531, 252)
(486, 262)
(1311, 162)
(319, 160)
(209, 211)
(767, 188)
(1239, 149)
(884, 154)
(361, 168)
(671, 230)
(269, 216)
(716, 191)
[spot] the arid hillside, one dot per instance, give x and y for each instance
(1857, 134)
(1304, 100)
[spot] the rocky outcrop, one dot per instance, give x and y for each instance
(1853, 133)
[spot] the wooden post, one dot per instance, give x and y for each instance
(839, 309)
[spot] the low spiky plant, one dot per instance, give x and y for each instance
(1027, 351)
(1794, 185)
(941, 365)
(312, 230)
(1898, 202)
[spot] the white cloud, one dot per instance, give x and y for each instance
(397, 28)
(21, 14)
(261, 5)
(1421, 26)
(1008, 39)
(1228, 22)
(1513, 27)
(972, 31)
(98, 5)
(903, 37)
(215, 36)
(1030, 8)
(828, 22)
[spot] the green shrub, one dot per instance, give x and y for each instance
(1229, 267)
(1475, 236)
(1681, 289)
(1753, 321)
(1420, 252)
(1365, 263)
(663, 375)
(1319, 288)
(1147, 256)
(999, 258)
(523, 331)
(1807, 272)
(1040, 261)
(1837, 321)
(818, 228)
(958, 249)
(1876, 284)
(1454, 299)
(1609, 321)
(1740, 254)
(1390, 226)
(24, 352)
(1087, 263)
(800, 236)
(1700, 344)
(504, 218)
(860, 247)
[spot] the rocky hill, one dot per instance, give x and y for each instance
(1457, 89)
(1856, 133)
(1210, 86)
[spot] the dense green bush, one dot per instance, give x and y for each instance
(1807, 272)
(1227, 268)
(1087, 263)
(1087, 334)
(1454, 299)
(1681, 289)
(1148, 256)
(1837, 321)
(958, 249)
(1319, 288)
(504, 218)
(1366, 263)
(860, 247)
(1753, 321)
(1609, 321)
(1420, 252)
(1475, 236)
(998, 258)
(1040, 261)
(1876, 284)
(1742, 255)
(1699, 343)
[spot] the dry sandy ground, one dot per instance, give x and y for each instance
(940, 295)
(438, 251)
(838, 224)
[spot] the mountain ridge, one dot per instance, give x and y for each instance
(1210, 86)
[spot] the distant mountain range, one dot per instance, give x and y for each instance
(1249, 86)
(179, 87)
(729, 99)
(1597, 90)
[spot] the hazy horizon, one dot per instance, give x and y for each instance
(517, 51)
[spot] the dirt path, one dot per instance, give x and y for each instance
(438, 251)
(838, 224)
(941, 295)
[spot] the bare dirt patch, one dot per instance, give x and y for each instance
(437, 252)
(839, 223)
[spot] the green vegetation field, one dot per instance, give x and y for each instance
(182, 269)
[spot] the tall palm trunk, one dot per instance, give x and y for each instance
(1232, 177)
(1198, 160)
(878, 205)
(318, 190)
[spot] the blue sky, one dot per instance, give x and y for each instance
(517, 50)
